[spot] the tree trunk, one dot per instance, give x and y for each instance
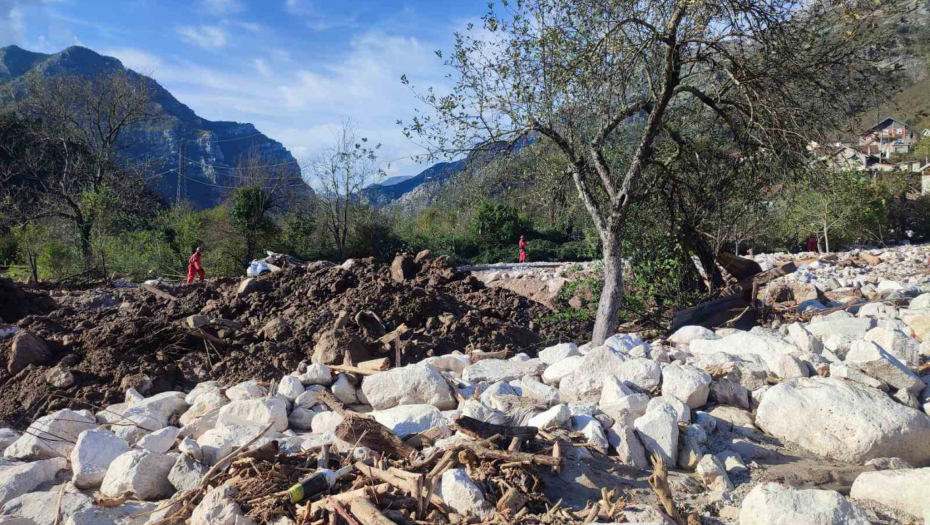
(826, 237)
(605, 325)
(698, 245)
(84, 231)
(34, 267)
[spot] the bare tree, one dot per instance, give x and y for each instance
(606, 81)
(72, 130)
(341, 170)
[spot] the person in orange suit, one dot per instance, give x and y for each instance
(523, 244)
(194, 267)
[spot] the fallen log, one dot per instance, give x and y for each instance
(482, 430)
(158, 293)
(376, 365)
(364, 492)
(369, 433)
(504, 455)
(400, 482)
(368, 514)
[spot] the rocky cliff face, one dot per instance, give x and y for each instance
(197, 159)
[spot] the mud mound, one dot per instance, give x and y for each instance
(425, 309)
(17, 302)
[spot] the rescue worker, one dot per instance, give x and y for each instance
(523, 244)
(194, 267)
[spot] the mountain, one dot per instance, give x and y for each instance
(385, 194)
(207, 153)
(396, 179)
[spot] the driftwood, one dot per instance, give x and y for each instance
(401, 482)
(659, 483)
(158, 293)
(364, 492)
(368, 514)
(369, 433)
(511, 502)
(354, 369)
(377, 365)
(482, 430)
(738, 267)
(475, 357)
(505, 455)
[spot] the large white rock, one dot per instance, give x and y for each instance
(256, 412)
(554, 354)
(301, 418)
(290, 387)
(686, 383)
(658, 431)
(246, 390)
(32, 508)
(218, 508)
(409, 419)
(200, 389)
(622, 436)
(326, 422)
(18, 479)
(92, 455)
(714, 474)
(220, 441)
(140, 472)
(310, 397)
(585, 382)
(317, 374)
(642, 374)
(686, 334)
(535, 389)
(493, 370)
(418, 384)
(556, 372)
(187, 473)
(853, 327)
(160, 441)
(51, 436)
(854, 374)
(804, 340)
(774, 504)
(681, 410)
(896, 343)
(454, 363)
(344, 390)
(623, 342)
(875, 362)
(907, 490)
(461, 494)
(764, 346)
(844, 421)
(203, 404)
(556, 416)
(7, 437)
(592, 430)
(922, 301)
(150, 414)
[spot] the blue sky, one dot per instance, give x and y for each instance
(294, 68)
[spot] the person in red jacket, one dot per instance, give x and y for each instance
(523, 244)
(194, 267)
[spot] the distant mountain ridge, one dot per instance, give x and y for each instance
(208, 153)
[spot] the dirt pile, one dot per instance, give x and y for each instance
(263, 328)
(17, 302)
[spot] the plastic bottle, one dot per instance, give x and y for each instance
(316, 483)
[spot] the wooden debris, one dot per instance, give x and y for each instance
(482, 430)
(369, 433)
(401, 482)
(376, 365)
(475, 357)
(158, 293)
(368, 514)
(512, 502)
(354, 369)
(659, 483)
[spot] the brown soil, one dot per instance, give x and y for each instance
(108, 350)
(17, 302)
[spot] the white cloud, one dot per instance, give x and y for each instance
(262, 67)
(222, 7)
(248, 26)
(204, 37)
(12, 28)
(137, 60)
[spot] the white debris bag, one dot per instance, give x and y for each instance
(257, 268)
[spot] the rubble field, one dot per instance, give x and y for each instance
(207, 404)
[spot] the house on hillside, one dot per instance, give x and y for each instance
(889, 137)
(924, 179)
(910, 166)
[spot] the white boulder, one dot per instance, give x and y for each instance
(316, 374)
(142, 473)
(774, 504)
(92, 454)
(658, 431)
(492, 370)
(557, 371)
(622, 436)
(875, 362)
(714, 474)
(256, 412)
(344, 390)
(412, 385)
(290, 387)
(904, 490)
(246, 390)
(18, 479)
(50, 436)
(218, 508)
(833, 418)
(686, 383)
(461, 494)
(405, 420)
(159, 441)
(686, 334)
(554, 354)
(586, 381)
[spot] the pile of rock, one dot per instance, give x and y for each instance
(845, 386)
